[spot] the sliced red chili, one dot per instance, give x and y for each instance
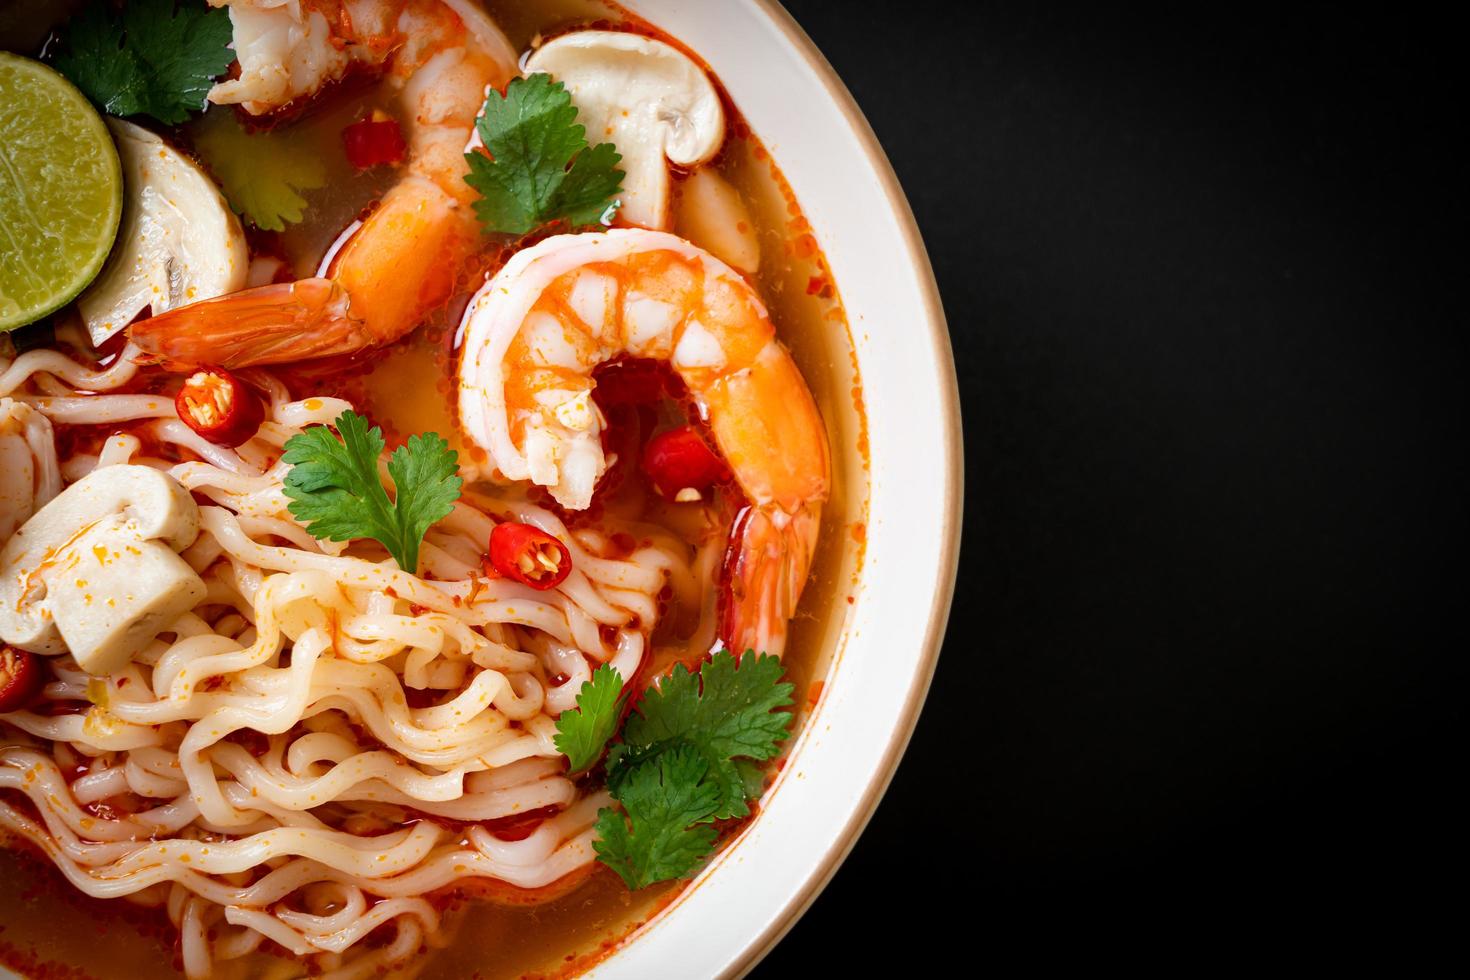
(529, 555)
(682, 465)
(20, 678)
(220, 407)
(374, 141)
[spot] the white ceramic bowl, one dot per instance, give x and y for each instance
(843, 760)
(841, 764)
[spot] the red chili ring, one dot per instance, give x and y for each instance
(370, 142)
(220, 407)
(679, 461)
(529, 555)
(20, 678)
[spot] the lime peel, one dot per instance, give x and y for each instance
(61, 191)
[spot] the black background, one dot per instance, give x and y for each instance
(1200, 271)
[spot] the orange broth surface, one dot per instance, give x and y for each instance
(48, 929)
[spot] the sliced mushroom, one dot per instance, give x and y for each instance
(96, 572)
(646, 98)
(179, 241)
(711, 214)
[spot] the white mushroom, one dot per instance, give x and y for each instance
(29, 473)
(646, 98)
(96, 572)
(711, 214)
(179, 241)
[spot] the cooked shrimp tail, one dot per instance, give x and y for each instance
(766, 567)
(767, 427)
(273, 324)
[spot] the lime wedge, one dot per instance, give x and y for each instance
(60, 191)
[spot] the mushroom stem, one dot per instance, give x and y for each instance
(647, 98)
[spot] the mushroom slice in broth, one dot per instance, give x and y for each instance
(179, 241)
(648, 99)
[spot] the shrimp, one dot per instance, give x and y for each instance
(533, 335)
(405, 259)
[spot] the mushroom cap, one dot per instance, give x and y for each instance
(179, 242)
(96, 572)
(647, 98)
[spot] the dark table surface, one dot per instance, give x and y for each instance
(1210, 364)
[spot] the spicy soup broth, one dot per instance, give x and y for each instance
(47, 929)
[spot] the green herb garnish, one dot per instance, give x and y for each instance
(543, 169)
(686, 759)
(262, 174)
(670, 802)
(153, 59)
(336, 491)
(581, 734)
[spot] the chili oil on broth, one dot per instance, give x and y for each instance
(501, 932)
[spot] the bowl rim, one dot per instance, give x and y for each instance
(758, 946)
(938, 618)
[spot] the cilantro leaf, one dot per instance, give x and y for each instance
(333, 483)
(96, 61)
(687, 758)
(542, 170)
(185, 50)
(581, 734)
(336, 491)
(153, 59)
(425, 473)
(723, 712)
(752, 776)
(585, 196)
(669, 803)
(262, 174)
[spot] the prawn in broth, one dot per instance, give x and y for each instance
(390, 699)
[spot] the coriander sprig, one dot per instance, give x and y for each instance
(686, 759)
(581, 735)
(540, 167)
(152, 59)
(263, 174)
(336, 491)
(669, 804)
